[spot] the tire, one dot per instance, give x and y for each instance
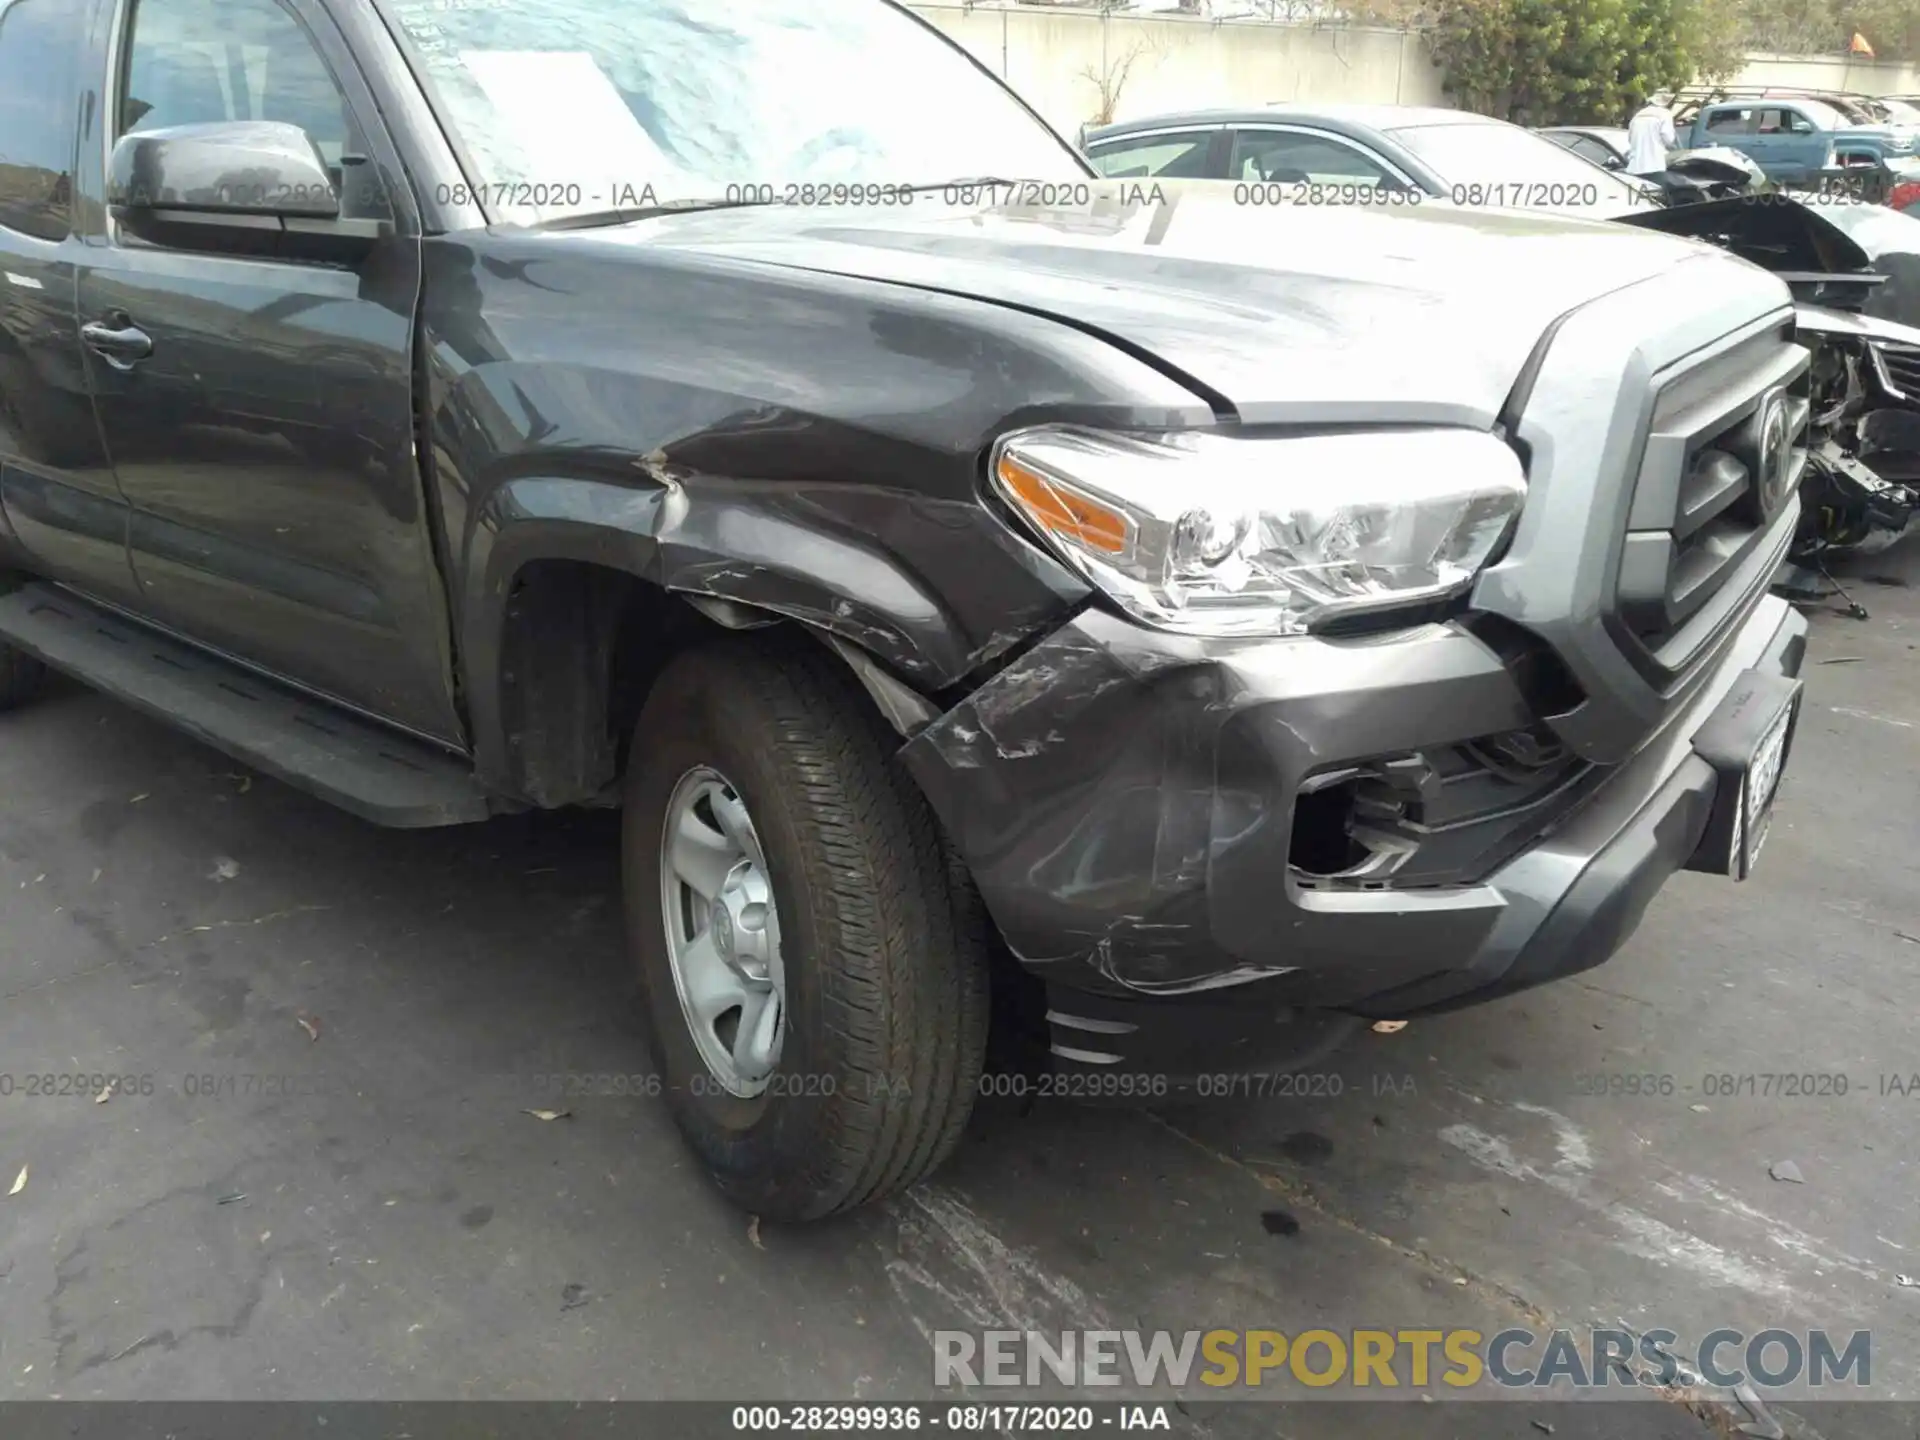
(882, 939)
(21, 677)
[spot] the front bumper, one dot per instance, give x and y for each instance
(1125, 801)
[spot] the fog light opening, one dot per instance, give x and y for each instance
(1323, 844)
(1333, 840)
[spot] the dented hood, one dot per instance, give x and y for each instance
(1427, 313)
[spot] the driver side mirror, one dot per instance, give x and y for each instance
(248, 187)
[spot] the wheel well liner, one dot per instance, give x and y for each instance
(581, 645)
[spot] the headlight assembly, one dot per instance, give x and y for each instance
(1224, 535)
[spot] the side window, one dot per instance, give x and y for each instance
(1728, 121)
(1171, 157)
(1587, 148)
(192, 62)
(1291, 157)
(1796, 123)
(39, 109)
(1772, 122)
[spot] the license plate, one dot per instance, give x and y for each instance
(1763, 782)
(1746, 740)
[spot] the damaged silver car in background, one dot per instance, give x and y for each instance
(1855, 272)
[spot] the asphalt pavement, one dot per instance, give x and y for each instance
(324, 1176)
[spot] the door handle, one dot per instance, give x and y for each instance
(121, 346)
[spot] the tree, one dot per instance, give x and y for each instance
(1539, 62)
(1109, 77)
(1789, 27)
(1823, 27)
(1715, 38)
(1892, 27)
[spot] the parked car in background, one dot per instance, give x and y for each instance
(1862, 109)
(1707, 174)
(1858, 109)
(1807, 141)
(1386, 154)
(1891, 244)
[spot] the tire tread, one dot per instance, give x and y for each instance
(903, 931)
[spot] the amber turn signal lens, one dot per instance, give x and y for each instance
(1063, 511)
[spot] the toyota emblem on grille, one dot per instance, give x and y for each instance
(1773, 476)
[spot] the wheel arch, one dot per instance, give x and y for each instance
(578, 592)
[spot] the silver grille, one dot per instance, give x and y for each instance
(1899, 367)
(1629, 392)
(1723, 458)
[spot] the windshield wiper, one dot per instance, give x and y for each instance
(594, 219)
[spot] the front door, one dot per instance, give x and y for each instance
(1806, 144)
(1737, 126)
(258, 412)
(1773, 144)
(59, 503)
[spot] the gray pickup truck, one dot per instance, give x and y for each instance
(1199, 629)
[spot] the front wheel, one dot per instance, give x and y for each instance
(814, 969)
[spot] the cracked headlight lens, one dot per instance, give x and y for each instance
(1213, 534)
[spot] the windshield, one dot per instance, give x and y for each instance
(1506, 167)
(575, 106)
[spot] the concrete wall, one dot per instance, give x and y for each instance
(1059, 60)
(1831, 72)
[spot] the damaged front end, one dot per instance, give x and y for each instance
(1861, 489)
(1175, 846)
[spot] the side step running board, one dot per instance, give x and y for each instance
(358, 765)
